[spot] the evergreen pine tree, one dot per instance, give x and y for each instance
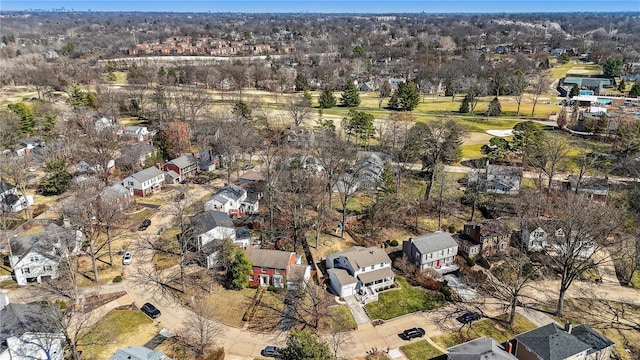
(350, 96)
(575, 91)
(465, 105)
(327, 100)
(494, 108)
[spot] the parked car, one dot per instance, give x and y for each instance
(468, 317)
(127, 258)
(185, 182)
(150, 310)
(248, 167)
(270, 351)
(413, 333)
(145, 224)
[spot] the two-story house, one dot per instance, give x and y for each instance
(503, 179)
(185, 166)
(10, 200)
(300, 137)
(233, 200)
(209, 228)
(359, 270)
(552, 342)
(145, 182)
(115, 197)
(537, 234)
(28, 332)
(435, 251)
(140, 133)
(485, 238)
(35, 258)
(270, 267)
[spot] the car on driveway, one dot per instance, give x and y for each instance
(145, 224)
(185, 182)
(468, 317)
(270, 351)
(150, 310)
(127, 258)
(413, 333)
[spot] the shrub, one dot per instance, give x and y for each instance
(471, 261)
(483, 262)
(217, 354)
(7, 283)
(117, 279)
(271, 288)
(393, 243)
(61, 304)
(451, 229)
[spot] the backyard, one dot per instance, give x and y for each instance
(494, 328)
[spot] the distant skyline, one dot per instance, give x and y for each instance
(330, 6)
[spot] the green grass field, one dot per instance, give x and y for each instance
(420, 350)
(405, 300)
(495, 329)
(111, 330)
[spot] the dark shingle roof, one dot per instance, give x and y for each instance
(551, 342)
(184, 161)
(432, 242)
(590, 337)
(43, 242)
(207, 220)
(147, 174)
(18, 319)
(484, 348)
(273, 259)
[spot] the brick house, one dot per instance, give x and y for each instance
(145, 182)
(484, 238)
(270, 267)
(185, 166)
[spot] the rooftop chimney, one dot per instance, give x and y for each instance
(568, 327)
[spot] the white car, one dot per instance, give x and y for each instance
(127, 258)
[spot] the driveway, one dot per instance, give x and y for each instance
(357, 310)
(457, 284)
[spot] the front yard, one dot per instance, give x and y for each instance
(403, 300)
(119, 328)
(420, 350)
(495, 329)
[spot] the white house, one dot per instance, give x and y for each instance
(210, 227)
(436, 251)
(145, 182)
(232, 200)
(27, 332)
(138, 353)
(34, 258)
(537, 234)
(10, 201)
(138, 132)
(360, 270)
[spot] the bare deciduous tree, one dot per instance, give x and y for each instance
(198, 332)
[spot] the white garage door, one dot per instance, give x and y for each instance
(348, 290)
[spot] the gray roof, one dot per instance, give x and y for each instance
(114, 192)
(361, 257)
(551, 342)
(378, 274)
(18, 319)
(208, 220)
(184, 161)
(242, 233)
(147, 174)
(590, 337)
(134, 152)
(273, 259)
(5, 186)
(343, 276)
(484, 348)
(232, 191)
(138, 353)
(433, 242)
(44, 241)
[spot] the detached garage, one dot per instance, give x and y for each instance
(342, 283)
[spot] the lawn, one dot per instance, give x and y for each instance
(119, 328)
(403, 300)
(470, 152)
(420, 350)
(635, 279)
(343, 313)
(488, 327)
(228, 306)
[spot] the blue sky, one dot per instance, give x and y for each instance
(332, 6)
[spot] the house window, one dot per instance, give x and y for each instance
(468, 231)
(448, 251)
(264, 269)
(276, 271)
(48, 268)
(33, 258)
(26, 271)
(250, 277)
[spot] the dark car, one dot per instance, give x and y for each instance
(270, 351)
(150, 310)
(468, 317)
(185, 182)
(413, 333)
(145, 224)
(248, 167)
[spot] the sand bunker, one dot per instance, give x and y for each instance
(500, 133)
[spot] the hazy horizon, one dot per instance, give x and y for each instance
(328, 7)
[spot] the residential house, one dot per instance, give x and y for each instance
(115, 197)
(359, 270)
(140, 133)
(503, 179)
(270, 267)
(25, 145)
(208, 160)
(145, 182)
(138, 353)
(432, 251)
(35, 258)
(300, 137)
(209, 229)
(249, 177)
(594, 188)
(369, 168)
(27, 332)
(137, 154)
(101, 123)
(185, 166)
(485, 238)
(553, 342)
(483, 348)
(233, 200)
(537, 233)
(10, 200)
